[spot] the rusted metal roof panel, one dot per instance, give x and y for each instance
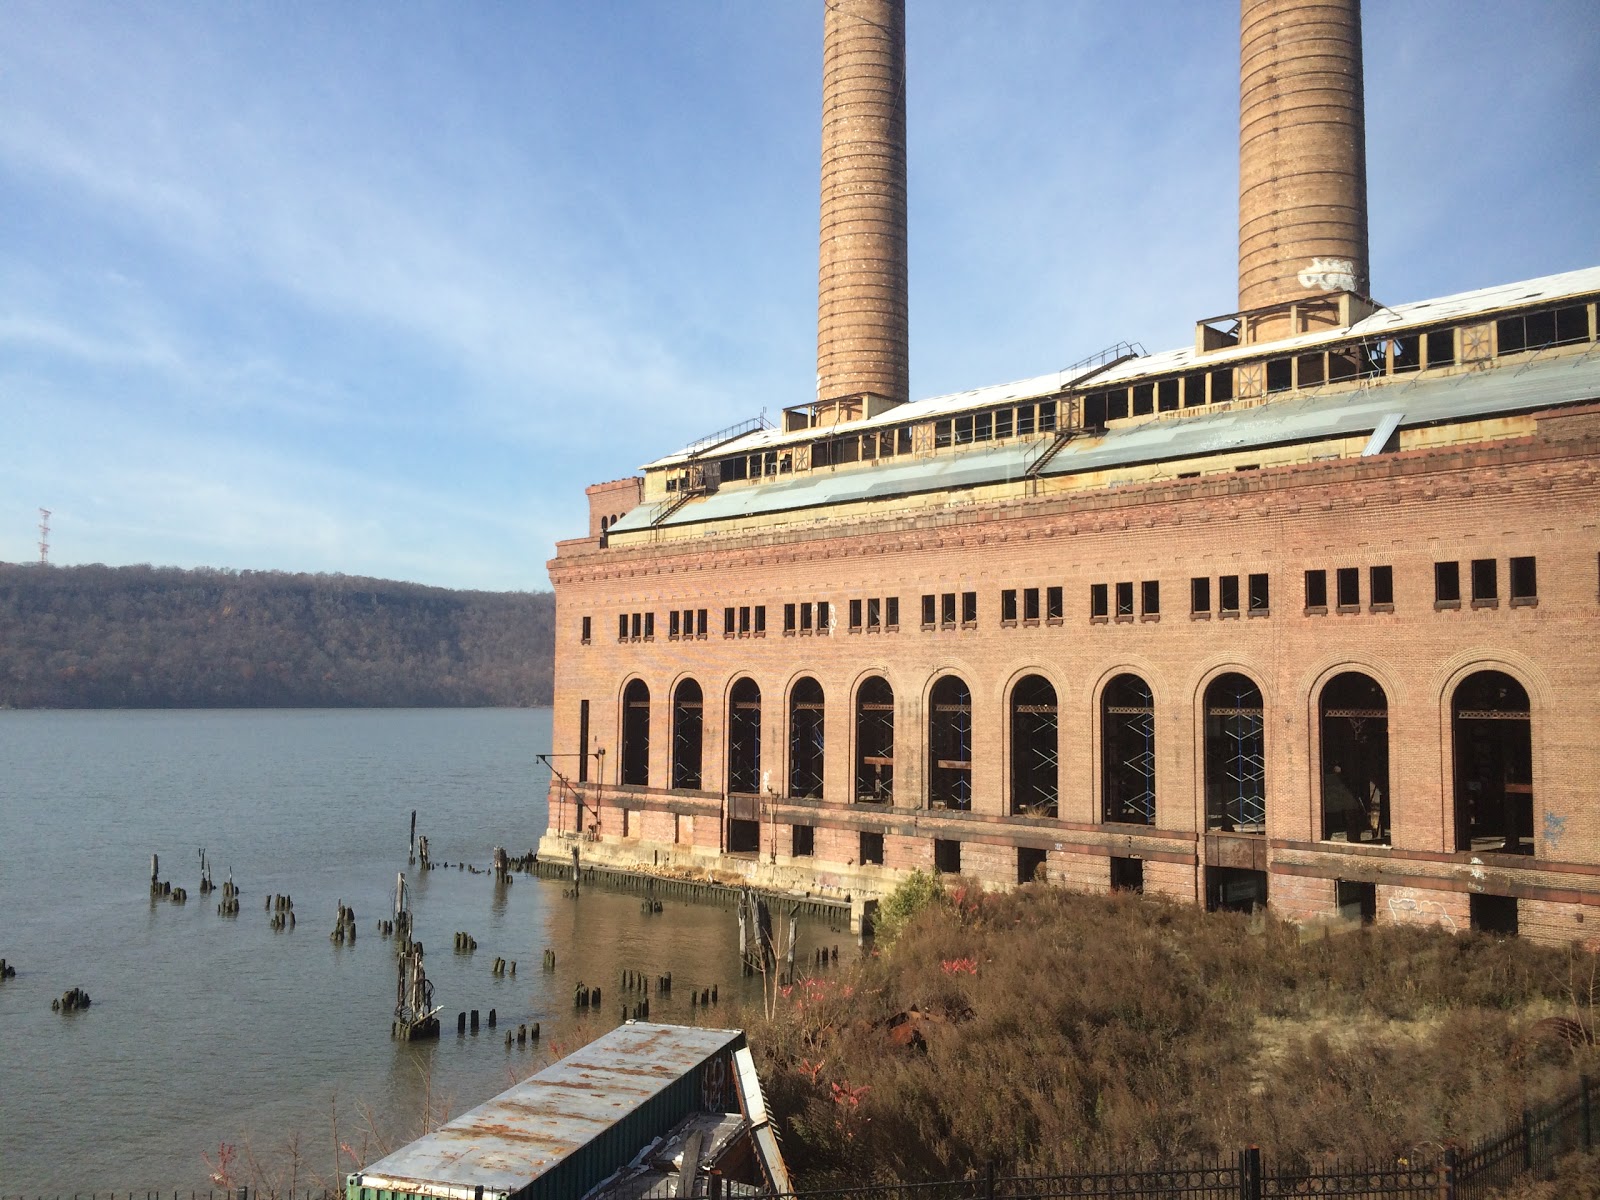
(565, 1129)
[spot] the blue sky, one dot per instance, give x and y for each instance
(379, 288)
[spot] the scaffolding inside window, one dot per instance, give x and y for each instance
(1235, 756)
(744, 738)
(1128, 732)
(805, 739)
(1355, 760)
(636, 734)
(875, 742)
(1035, 748)
(1493, 764)
(950, 744)
(688, 730)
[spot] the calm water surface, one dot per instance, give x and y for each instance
(207, 1030)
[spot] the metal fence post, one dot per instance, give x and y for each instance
(1447, 1175)
(1250, 1173)
(1527, 1140)
(988, 1180)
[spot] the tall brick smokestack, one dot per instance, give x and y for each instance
(862, 340)
(1302, 151)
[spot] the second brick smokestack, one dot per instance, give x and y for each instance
(1302, 152)
(862, 335)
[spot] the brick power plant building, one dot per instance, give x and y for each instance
(1301, 614)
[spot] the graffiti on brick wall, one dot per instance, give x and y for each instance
(1329, 274)
(1555, 828)
(1407, 906)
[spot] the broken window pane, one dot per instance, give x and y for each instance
(1493, 764)
(1355, 760)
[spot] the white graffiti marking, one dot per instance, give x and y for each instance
(1329, 275)
(1405, 908)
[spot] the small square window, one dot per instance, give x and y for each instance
(1008, 605)
(1349, 583)
(1124, 600)
(789, 621)
(855, 615)
(673, 626)
(805, 618)
(1150, 598)
(588, 629)
(636, 624)
(874, 613)
(744, 618)
(872, 849)
(1054, 608)
(824, 617)
(805, 841)
(649, 626)
(946, 857)
(1228, 594)
(1260, 601)
(891, 613)
(622, 627)
(1446, 584)
(1441, 347)
(1099, 601)
(730, 623)
(947, 609)
(1485, 582)
(1380, 587)
(930, 612)
(1524, 580)
(969, 608)
(1030, 604)
(1316, 591)
(761, 620)
(1200, 596)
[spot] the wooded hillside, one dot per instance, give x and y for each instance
(161, 637)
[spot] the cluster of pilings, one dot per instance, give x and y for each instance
(230, 900)
(465, 942)
(585, 997)
(282, 910)
(824, 956)
(6, 969)
(649, 906)
(704, 998)
(638, 981)
(639, 1012)
(549, 960)
(206, 886)
(386, 928)
(500, 967)
(73, 1001)
(344, 928)
(524, 1033)
(463, 1018)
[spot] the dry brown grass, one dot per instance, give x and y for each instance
(1077, 1032)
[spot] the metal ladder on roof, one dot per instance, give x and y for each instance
(1069, 427)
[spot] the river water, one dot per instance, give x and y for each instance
(207, 1030)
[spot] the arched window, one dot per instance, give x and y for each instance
(1128, 743)
(1034, 748)
(636, 734)
(1355, 760)
(950, 744)
(1236, 756)
(1494, 764)
(875, 742)
(688, 731)
(744, 738)
(805, 739)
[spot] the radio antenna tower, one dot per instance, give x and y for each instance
(44, 537)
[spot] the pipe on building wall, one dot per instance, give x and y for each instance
(862, 329)
(1302, 152)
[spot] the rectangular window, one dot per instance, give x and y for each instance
(1446, 584)
(1485, 582)
(761, 620)
(969, 608)
(983, 426)
(583, 741)
(963, 430)
(1200, 596)
(1349, 585)
(1150, 598)
(1406, 351)
(700, 623)
(1228, 594)
(1099, 603)
(1054, 608)
(1260, 602)
(789, 618)
(1222, 385)
(947, 609)
(1047, 416)
(1441, 347)
(874, 613)
(673, 627)
(588, 629)
(744, 619)
(946, 857)
(1316, 591)
(805, 618)
(824, 617)
(941, 434)
(1008, 606)
(872, 849)
(1030, 605)
(1144, 399)
(1167, 395)
(891, 613)
(1124, 600)
(805, 841)
(1524, 581)
(636, 625)
(729, 623)
(1380, 588)
(1280, 374)
(1024, 420)
(930, 613)
(855, 616)
(1194, 390)
(649, 627)
(1002, 423)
